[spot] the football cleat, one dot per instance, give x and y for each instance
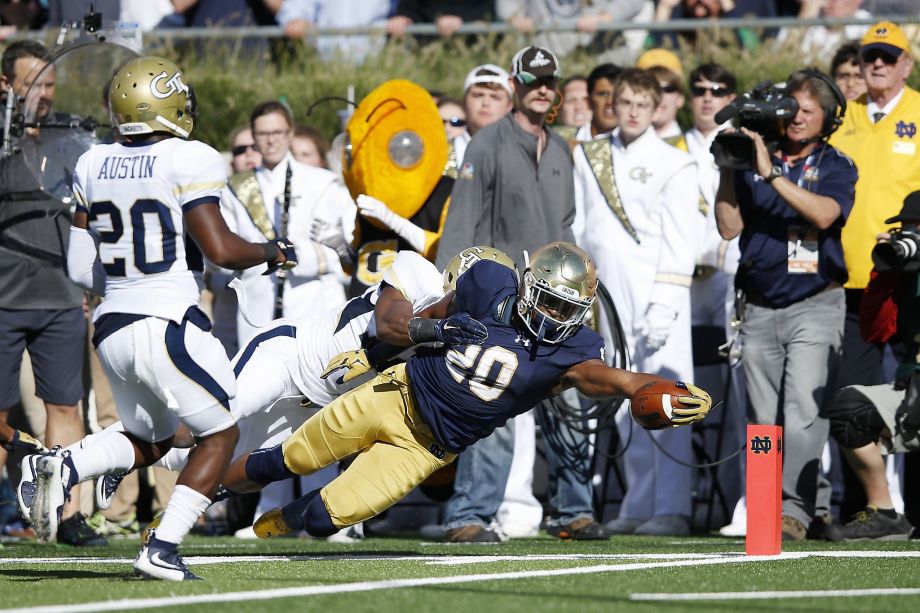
(25, 493)
(52, 491)
(106, 486)
(77, 532)
(271, 525)
(161, 560)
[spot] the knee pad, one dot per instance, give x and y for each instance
(854, 420)
(316, 518)
(267, 466)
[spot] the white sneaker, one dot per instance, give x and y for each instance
(25, 493)
(351, 534)
(246, 533)
(738, 527)
(160, 560)
(51, 493)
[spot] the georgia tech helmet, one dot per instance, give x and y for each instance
(461, 262)
(149, 94)
(558, 288)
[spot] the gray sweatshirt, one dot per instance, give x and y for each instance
(503, 198)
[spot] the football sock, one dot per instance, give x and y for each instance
(108, 452)
(175, 459)
(267, 465)
(184, 508)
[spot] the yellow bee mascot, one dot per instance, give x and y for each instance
(395, 155)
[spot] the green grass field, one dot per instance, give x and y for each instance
(528, 575)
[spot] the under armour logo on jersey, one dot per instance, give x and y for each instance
(173, 86)
(523, 340)
(539, 60)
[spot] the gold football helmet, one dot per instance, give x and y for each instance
(557, 292)
(149, 95)
(461, 262)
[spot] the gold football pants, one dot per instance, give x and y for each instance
(396, 450)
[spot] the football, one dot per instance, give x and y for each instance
(652, 404)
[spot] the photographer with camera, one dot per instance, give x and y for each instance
(789, 210)
(868, 421)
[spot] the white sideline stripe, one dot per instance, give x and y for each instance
(660, 597)
(434, 560)
(362, 586)
(459, 560)
(367, 586)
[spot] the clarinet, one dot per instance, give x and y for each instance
(285, 217)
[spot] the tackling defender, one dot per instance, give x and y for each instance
(414, 418)
(136, 200)
(281, 374)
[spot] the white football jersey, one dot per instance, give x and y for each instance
(322, 337)
(135, 196)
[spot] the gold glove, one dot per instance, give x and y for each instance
(694, 408)
(354, 364)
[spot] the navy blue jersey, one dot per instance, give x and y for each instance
(465, 392)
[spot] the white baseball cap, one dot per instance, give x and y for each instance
(487, 73)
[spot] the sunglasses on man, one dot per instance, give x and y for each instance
(241, 149)
(454, 122)
(718, 91)
(871, 55)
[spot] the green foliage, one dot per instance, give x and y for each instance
(231, 77)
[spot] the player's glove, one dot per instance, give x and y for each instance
(332, 235)
(694, 408)
(458, 329)
(21, 440)
(349, 364)
(286, 247)
(656, 327)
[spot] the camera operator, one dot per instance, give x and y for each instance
(867, 421)
(789, 211)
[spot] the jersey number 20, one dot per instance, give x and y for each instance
(475, 366)
(138, 211)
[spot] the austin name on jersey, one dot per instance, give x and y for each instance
(133, 167)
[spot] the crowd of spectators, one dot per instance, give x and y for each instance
(575, 25)
(615, 160)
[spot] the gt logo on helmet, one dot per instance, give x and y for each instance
(173, 86)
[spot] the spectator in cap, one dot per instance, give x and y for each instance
(487, 97)
(879, 133)
(526, 16)
(514, 191)
(846, 71)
